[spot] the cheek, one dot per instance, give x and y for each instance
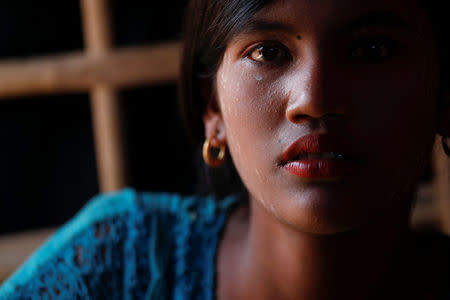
(401, 103)
(247, 95)
(396, 118)
(252, 107)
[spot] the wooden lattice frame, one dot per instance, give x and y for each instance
(100, 70)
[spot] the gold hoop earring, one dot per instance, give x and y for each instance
(209, 158)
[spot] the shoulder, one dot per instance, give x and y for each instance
(113, 243)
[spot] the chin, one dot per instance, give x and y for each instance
(320, 210)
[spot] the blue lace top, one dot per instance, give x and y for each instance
(128, 245)
(133, 245)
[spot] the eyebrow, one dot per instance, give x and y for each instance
(379, 18)
(263, 25)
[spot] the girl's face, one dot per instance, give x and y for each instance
(360, 77)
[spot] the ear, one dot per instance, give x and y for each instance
(214, 125)
(443, 114)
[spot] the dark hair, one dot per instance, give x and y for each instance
(209, 26)
(438, 17)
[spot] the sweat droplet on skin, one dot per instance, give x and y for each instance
(258, 77)
(303, 96)
(258, 174)
(238, 146)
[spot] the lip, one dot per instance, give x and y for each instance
(302, 158)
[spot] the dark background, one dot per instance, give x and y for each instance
(47, 162)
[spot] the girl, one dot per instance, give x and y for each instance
(328, 110)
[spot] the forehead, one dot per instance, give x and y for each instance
(328, 15)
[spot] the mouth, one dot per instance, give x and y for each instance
(325, 155)
(319, 157)
(320, 166)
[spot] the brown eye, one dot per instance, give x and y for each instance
(268, 53)
(374, 49)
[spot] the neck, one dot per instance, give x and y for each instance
(283, 263)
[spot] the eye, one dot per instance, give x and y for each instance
(374, 49)
(268, 53)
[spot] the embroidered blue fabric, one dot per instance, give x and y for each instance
(128, 245)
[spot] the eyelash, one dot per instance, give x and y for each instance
(382, 48)
(283, 54)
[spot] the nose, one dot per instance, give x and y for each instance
(317, 91)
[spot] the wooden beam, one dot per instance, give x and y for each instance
(442, 185)
(105, 104)
(78, 72)
(97, 26)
